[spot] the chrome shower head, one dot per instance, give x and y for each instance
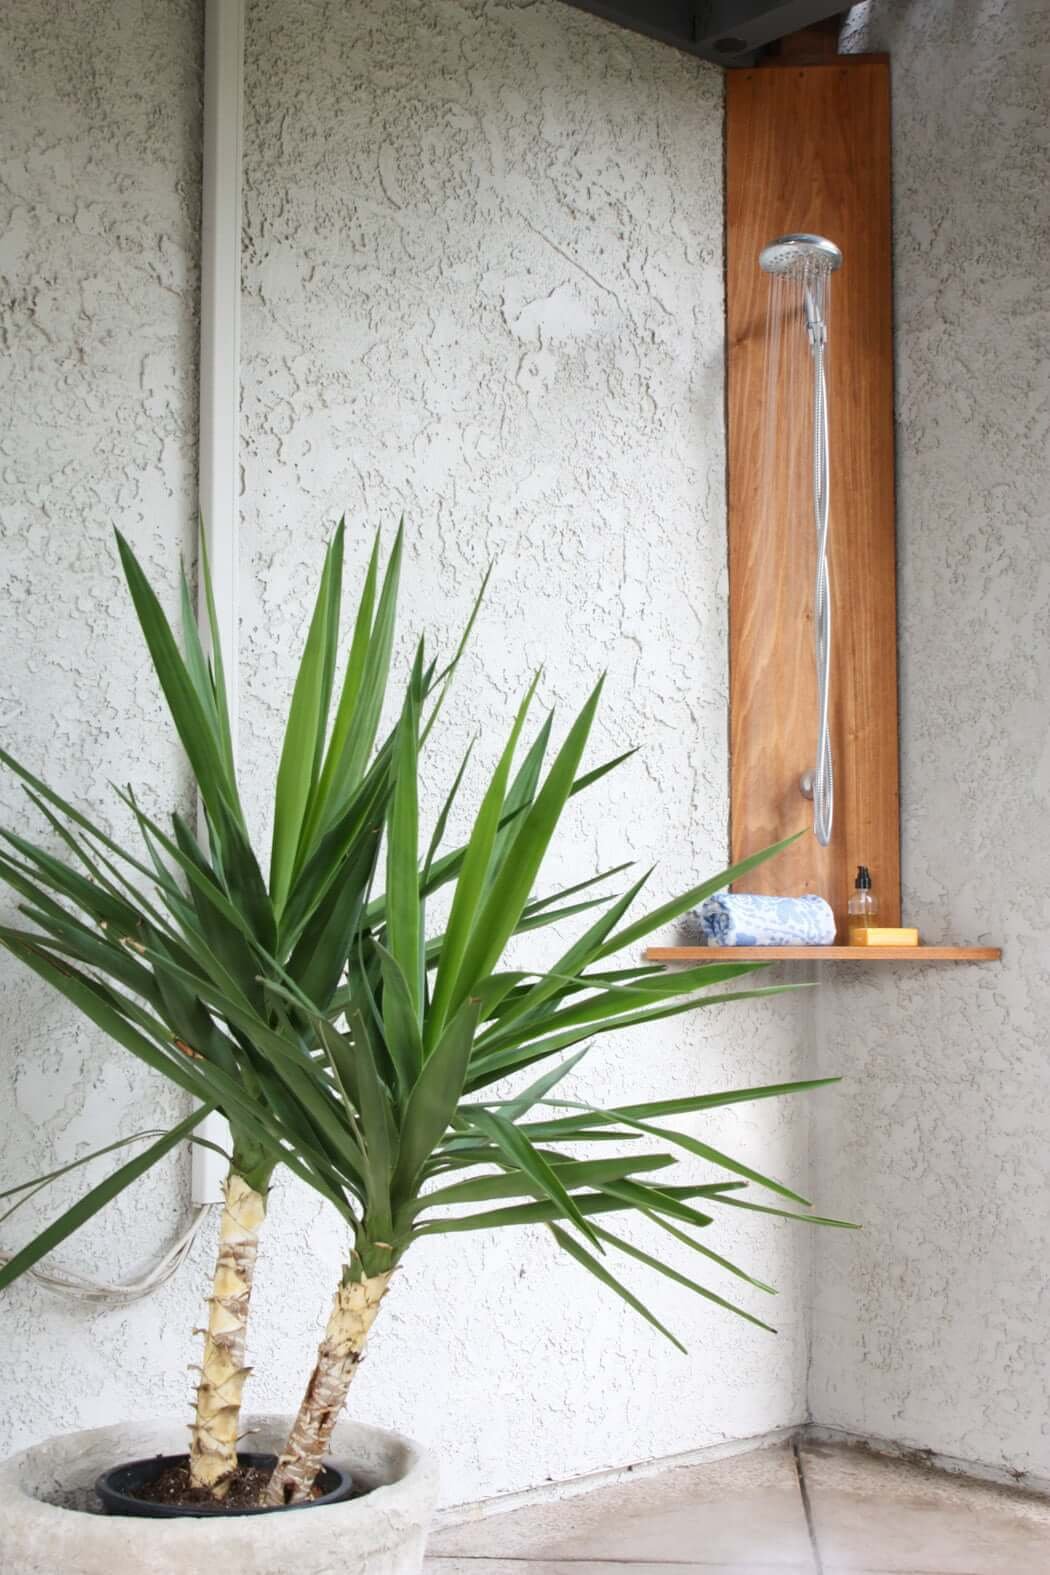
(794, 254)
(812, 260)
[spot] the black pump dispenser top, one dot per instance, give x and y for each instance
(863, 881)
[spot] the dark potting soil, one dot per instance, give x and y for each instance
(246, 1491)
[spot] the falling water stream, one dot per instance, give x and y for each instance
(795, 467)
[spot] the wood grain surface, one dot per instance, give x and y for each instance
(808, 149)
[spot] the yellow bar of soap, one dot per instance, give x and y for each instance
(876, 937)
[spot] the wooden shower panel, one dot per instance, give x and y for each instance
(808, 149)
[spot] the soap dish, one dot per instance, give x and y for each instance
(872, 936)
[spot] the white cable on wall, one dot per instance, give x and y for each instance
(79, 1289)
(220, 394)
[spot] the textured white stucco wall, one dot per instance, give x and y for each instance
(99, 222)
(931, 1327)
(483, 287)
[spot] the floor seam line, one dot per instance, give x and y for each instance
(545, 1558)
(594, 1563)
(807, 1507)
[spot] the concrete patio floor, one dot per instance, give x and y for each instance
(818, 1510)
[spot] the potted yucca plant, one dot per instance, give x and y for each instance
(413, 1079)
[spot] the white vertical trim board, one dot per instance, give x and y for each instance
(220, 387)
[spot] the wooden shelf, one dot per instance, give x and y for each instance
(862, 954)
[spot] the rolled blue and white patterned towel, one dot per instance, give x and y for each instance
(748, 919)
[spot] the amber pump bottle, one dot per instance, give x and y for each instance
(862, 906)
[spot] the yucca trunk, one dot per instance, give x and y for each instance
(216, 1425)
(353, 1314)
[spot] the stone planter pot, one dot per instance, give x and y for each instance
(51, 1524)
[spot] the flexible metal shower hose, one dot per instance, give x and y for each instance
(823, 776)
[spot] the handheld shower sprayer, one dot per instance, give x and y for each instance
(811, 260)
(816, 327)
